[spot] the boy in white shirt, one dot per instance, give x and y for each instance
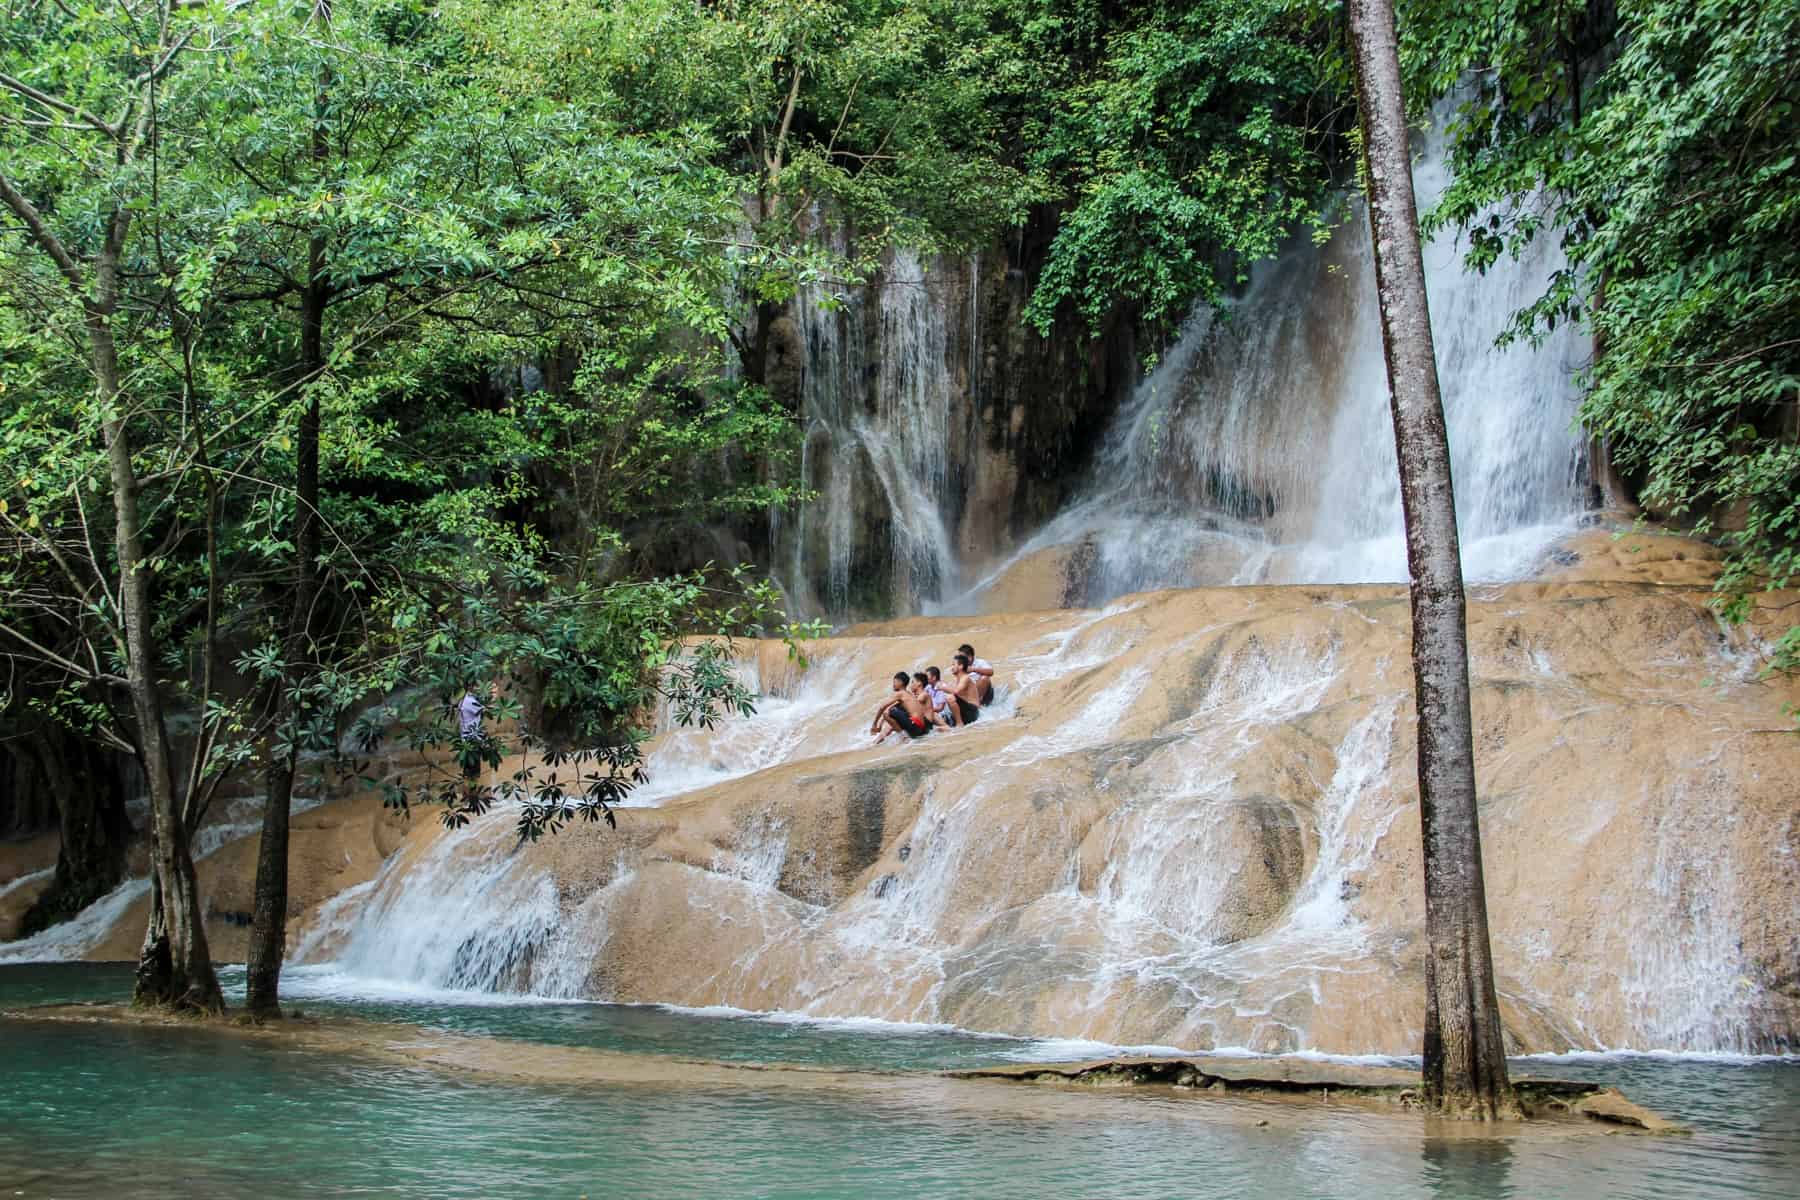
(943, 711)
(471, 741)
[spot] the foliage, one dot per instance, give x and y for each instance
(872, 113)
(603, 659)
(445, 225)
(1657, 137)
(1190, 141)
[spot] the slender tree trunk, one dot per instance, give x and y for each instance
(1610, 490)
(1465, 1061)
(187, 980)
(90, 802)
(268, 921)
(197, 795)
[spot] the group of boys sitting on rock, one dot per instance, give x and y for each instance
(924, 700)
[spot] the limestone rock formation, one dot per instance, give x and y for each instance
(1190, 819)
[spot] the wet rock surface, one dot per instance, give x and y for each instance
(1192, 821)
(1323, 1082)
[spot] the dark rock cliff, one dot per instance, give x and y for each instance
(940, 426)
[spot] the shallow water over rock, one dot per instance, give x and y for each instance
(1190, 820)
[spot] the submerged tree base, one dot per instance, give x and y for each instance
(1327, 1083)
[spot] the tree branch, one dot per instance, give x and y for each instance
(73, 667)
(61, 106)
(781, 136)
(40, 233)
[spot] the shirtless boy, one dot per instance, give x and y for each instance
(965, 690)
(902, 711)
(983, 670)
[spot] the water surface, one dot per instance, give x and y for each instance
(100, 1110)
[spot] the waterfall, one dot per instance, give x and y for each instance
(1189, 819)
(1260, 449)
(1517, 456)
(879, 406)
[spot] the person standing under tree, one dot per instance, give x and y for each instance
(471, 741)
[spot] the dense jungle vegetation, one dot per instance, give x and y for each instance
(353, 350)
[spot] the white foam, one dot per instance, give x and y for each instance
(868, 1025)
(72, 939)
(331, 981)
(1678, 1056)
(806, 724)
(1084, 1049)
(13, 885)
(335, 918)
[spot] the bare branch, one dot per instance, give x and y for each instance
(74, 668)
(781, 136)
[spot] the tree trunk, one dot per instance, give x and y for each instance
(188, 982)
(268, 920)
(89, 793)
(1609, 488)
(1465, 1061)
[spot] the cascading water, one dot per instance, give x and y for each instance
(1261, 451)
(474, 913)
(1188, 820)
(877, 448)
(77, 936)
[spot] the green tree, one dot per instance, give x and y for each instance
(342, 230)
(82, 151)
(1654, 139)
(1187, 141)
(385, 197)
(871, 116)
